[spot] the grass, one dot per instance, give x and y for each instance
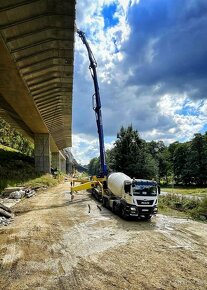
(186, 190)
(165, 210)
(44, 180)
(182, 206)
(6, 148)
(17, 169)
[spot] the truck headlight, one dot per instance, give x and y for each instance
(132, 208)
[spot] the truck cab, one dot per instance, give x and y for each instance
(139, 199)
(145, 197)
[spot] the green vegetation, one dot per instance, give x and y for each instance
(174, 204)
(166, 210)
(185, 190)
(130, 155)
(6, 148)
(83, 175)
(181, 163)
(45, 180)
(17, 162)
(11, 138)
(17, 169)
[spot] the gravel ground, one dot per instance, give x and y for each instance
(55, 243)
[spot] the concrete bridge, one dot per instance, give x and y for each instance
(36, 74)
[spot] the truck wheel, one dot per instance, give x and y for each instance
(123, 213)
(104, 202)
(114, 208)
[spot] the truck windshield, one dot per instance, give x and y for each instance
(144, 188)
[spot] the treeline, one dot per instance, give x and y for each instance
(11, 138)
(182, 163)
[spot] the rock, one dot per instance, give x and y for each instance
(15, 195)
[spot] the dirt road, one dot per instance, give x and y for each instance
(57, 244)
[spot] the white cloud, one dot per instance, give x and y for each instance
(154, 110)
(203, 108)
(186, 124)
(86, 147)
(104, 43)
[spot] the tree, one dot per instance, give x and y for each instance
(110, 160)
(11, 138)
(94, 166)
(181, 164)
(185, 163)
(189, 160)
(198, 158)
(161, 155)
(131, 156)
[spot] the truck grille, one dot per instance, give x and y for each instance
(145, 202)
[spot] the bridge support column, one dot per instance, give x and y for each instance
(69, 166)
(42, 153)
(63, 163)
(56, 160)
(59, 161)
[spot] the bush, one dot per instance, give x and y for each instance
(194, 207)
(45, 180)
(200, 212)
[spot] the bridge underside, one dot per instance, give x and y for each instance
(36, 69)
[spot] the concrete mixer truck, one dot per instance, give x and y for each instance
(129, 197)
(124, 196)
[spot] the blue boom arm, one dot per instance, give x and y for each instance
(96, 103)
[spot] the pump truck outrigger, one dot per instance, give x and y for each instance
(117, 191)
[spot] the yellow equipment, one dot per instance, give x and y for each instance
(95, 183)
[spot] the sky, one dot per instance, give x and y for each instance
(152, 71)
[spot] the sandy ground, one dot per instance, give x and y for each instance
(57, 244)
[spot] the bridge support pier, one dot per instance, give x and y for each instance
(56, 160)
(59, 161)
(63, 163)
(42, 153)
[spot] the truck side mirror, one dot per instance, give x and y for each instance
(127, 187)
(158, 188)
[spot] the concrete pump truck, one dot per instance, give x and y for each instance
(117, 191)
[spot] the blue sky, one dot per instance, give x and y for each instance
(152, 71)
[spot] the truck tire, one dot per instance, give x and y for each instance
(104, 201)
(123, 213)
(114, 208)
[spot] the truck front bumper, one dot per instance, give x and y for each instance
(147, 210)
(140, 211)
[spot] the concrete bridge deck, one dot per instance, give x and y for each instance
(36, 72)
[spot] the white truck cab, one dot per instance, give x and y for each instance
(145, 197)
